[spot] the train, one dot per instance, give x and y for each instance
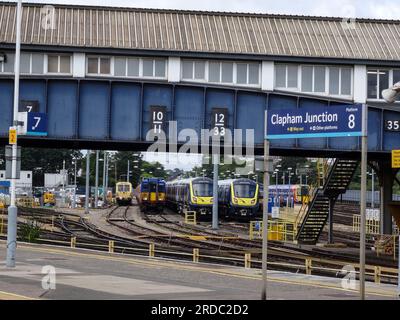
(299, 194)
(123, 193)
(151, 195)
(192, 194)
(238, 198)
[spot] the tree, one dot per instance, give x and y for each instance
(41, 161)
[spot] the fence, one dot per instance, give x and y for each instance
(308, 265)
(278, 230)
(371, 226)
(354, 196)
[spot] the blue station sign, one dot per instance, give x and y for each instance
(315, 122)
(37, 124)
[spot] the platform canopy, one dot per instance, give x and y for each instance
(206, 32)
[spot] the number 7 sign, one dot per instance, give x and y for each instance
(37, 124)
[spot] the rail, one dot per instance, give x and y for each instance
(309, 265)
(323, 166)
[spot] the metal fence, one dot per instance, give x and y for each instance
(354, 196)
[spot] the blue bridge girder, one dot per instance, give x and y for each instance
(115, 115)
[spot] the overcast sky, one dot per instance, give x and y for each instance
(383, 9)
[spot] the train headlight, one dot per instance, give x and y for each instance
(145, 199)
(253, 201)
(211, 200)
(194, 199)
(235, 200)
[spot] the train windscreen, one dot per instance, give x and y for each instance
(244, 190)
(123, 188)
(202, 189)
(161, 188)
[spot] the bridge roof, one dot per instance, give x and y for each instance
(205, 32)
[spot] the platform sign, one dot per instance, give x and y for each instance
(158, 118)
(36, 124)
(219, 121)
(315, 122)
(395, 159)
(392, 125)
(28, 106)
(12, 135)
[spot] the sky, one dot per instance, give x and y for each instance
(379, 9)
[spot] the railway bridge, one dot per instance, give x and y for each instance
(104, 77)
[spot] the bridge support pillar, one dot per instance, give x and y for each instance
(386, 179)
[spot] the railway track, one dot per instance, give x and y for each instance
(73, 225)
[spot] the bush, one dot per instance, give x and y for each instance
(30, 231)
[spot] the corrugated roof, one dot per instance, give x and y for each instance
(209, 32)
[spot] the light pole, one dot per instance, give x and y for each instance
(12, 209)
(96, 187)
(276, 187)
(74, 196)
(87, 182)
(289, 191)
(104, 176)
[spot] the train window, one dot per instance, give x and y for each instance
(244, 190)
(161, 188)
(123, 188)
(202, 189)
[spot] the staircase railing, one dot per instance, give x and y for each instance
(323, 168)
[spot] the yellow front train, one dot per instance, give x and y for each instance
(194, 194)
(238, 197)
(152, 194)
(123, 193)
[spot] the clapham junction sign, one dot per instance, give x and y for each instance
(309, 122)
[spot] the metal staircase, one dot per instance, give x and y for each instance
(316, 216)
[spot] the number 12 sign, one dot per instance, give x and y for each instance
(37, 124)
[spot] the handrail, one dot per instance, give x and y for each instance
(314, 189)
